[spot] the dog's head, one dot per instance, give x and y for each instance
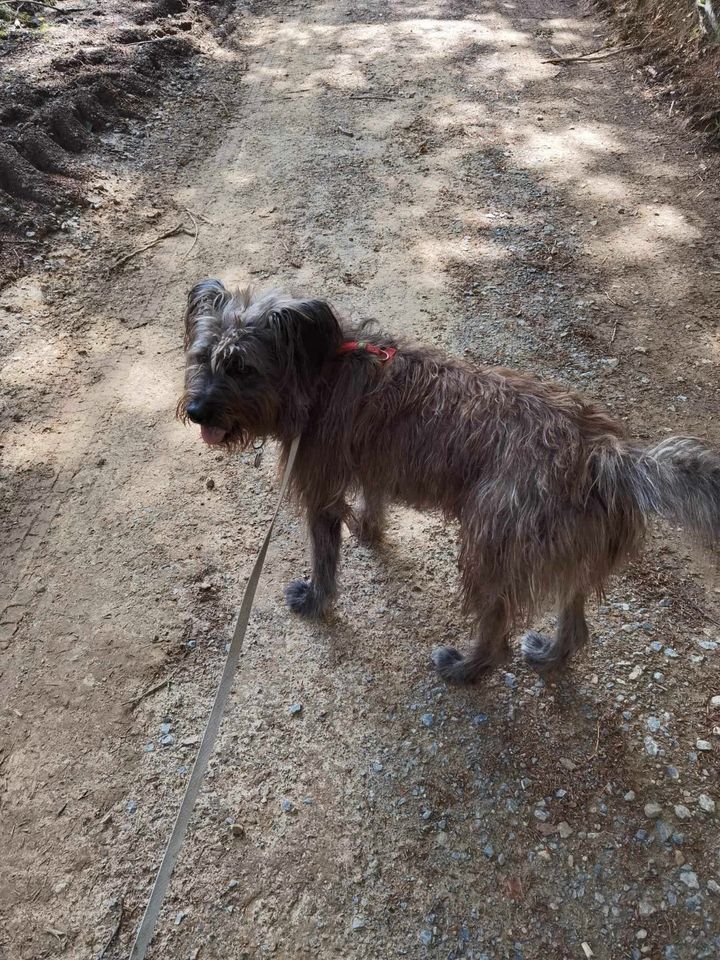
(253, 364)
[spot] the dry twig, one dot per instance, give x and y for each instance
(180, 228)
(113, 935)
(150, 690)
(602, 53)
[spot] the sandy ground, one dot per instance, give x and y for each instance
(420, 162)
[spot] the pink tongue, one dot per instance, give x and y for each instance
(212, 435)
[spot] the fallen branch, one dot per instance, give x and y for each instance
(592, 55)
(180, 228)
(150, 691)
(369, 96)
(113, 935)
(197, 230)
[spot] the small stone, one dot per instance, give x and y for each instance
(511, 680)
(706, 803)
(426, 937)
(630, 627)
(671, 653)
(488, 851)
(653, 724)
(237, 830)
(541, 814)
(295, 709)
(377, 767)
(165, 728)
(427, 719)
(149, 747)
(564, 830)
(287, 806)
(636, 673)
(480, 718)
(131, 806)
(656, 646)
(689, 878)
(715, 703)
(646, 909)
(629, 796)
(665, 602)
(673, 773)
(651, 747)
(641, 934)
(663, 830)
(653, 810)
(210, 483)
(168, 740)
(713, 887)
(703, 745)
(682, 812)
(357, 923)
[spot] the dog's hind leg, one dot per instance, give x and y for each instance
(311, 598)
(549, 653)
(491, 649)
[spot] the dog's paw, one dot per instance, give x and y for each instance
(539, 651)
(444, 659)
(365, 530)
(302, 598)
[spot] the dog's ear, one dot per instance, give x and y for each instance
(308, 333)
(205, 297)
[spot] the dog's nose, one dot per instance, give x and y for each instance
(196, 411)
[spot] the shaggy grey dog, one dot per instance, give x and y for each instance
(549, 495)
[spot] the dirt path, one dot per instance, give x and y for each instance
(418, 161)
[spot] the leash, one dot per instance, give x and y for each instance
(146, 929)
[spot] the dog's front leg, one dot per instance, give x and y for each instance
(311, 598)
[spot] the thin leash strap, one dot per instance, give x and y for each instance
(147, 926)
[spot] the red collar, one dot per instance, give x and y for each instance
(385, 353)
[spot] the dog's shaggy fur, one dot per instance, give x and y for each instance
(549, 495)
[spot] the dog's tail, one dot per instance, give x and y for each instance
(679, 480)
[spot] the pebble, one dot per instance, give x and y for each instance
(427, 719)
(656, 646)
(210, 484)
(377, 767)
(357, 923)
(713, 887)
(426, 937)
(673, 773)
(237, 830)
(149, 747)
(715, 702)
(689, 878)
(641, 934)
(511, 680)
(653, 724)
(541, 814)
(287, 806)
(630, 627)
(165, 728)
(663, 830)
(168, 740)
(706, 803)
(489, 851)
(653, 810)
(671, 653)
(682, 812)
(565, 830)
(295, 709)
(629, 796)
(704, 745)
(651, 747)
(131, 806)
(480, 718)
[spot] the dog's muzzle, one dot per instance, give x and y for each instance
(197, 411)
